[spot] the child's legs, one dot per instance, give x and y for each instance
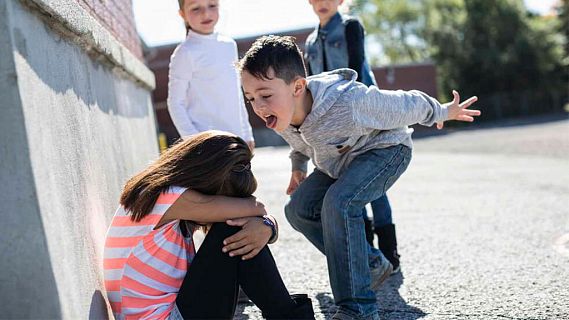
(209, 290)
(305, 204)
(210, 287)
(261, 280)
(381, 212)
(366, 179)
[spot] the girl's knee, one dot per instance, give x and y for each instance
(222, 230)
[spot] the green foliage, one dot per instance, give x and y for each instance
(396, 25)
(480, 47)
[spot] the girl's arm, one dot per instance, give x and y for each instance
(355, 40)
(192, 205)
(179, 78)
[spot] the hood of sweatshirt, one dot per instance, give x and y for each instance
(326, 88)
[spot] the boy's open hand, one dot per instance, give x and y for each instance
(295, 180)
(254, 235)
(459, 111)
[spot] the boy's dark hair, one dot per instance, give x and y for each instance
(280, 53)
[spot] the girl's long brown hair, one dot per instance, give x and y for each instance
(211, 162)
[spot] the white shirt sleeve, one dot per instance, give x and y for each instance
(246, 131)
(179, 79)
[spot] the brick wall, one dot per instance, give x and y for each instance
(118, 17)
(419, 76)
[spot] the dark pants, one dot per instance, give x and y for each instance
(210, 288)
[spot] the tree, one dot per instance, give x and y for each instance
(481, 47)
(396, 25)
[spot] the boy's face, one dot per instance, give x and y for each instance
(325, 9)
(272, 100)
(201, 15)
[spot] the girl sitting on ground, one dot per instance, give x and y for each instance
(152, 270)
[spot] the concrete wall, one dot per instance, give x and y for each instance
(76, 121)
(116, 16)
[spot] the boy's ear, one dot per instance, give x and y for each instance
(181, 13)
(299, 86)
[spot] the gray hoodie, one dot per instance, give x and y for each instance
(349, 119)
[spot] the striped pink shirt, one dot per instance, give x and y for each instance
(144, 268)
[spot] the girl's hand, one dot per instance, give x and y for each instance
(295, 180)
(247, 243)
(458, 111)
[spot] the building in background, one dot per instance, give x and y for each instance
(77, 120)
(414, 76)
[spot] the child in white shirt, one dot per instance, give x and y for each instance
(204, 91)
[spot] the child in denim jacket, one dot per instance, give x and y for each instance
(338, 42)
(359, 142)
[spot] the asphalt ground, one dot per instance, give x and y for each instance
(482, 218)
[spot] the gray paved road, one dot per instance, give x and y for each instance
(483, 227)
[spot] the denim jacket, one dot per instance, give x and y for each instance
(333, 36)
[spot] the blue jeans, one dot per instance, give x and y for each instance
(329, 214)
(381, 212)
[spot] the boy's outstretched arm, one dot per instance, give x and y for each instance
(459, 111)
(387, 109)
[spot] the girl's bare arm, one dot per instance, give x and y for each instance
(192, 205)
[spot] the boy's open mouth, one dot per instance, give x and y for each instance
(271, 122)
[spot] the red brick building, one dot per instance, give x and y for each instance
(416, 76)
(117, 17)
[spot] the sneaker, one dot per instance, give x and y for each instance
(396, 270)
(380, 273)
(339, 315)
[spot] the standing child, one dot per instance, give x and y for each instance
(200, 67)
(339, 42)
(359, 142)
(152, 270)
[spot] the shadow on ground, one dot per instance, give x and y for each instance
(391, 305)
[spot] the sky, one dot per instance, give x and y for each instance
(158, 22)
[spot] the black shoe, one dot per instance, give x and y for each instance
(302, 309)
(387, 243)
(369, 231)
